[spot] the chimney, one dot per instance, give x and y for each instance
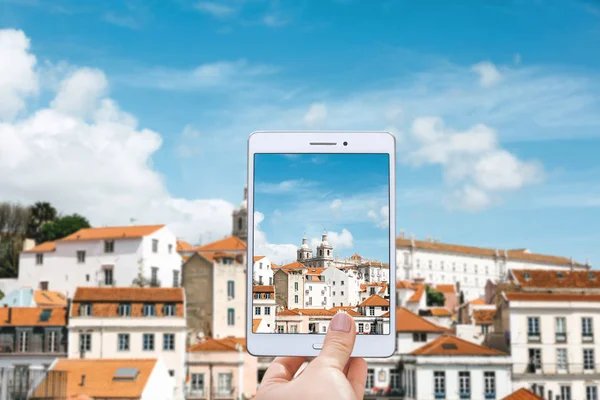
(9, 318)
(82, 383)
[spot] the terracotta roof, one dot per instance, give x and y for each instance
(348, 310)
(132, 294)
(294, 265)
(99, 378)
(378, 264)
(407, 321)
(404, 285)
(520, 255)
(385, 314)
(256, 324)
(445, 288)
(537, 296)
(355, 256)
(263, 289)
(231, 243)
(315, 271)
(440, 312)
(375, 301)
(419, 291)
(383, 288)
(478, 302)
(258, 258)
(225, 344)
(287, 313)
(45, 298)
(314, 312)
(184, 246)
(46, 247)
(274, 266)
(115, 232)
(484, 316)
(450, 345)
(523, 394)
(545, 279)
(344, 308)
(31, 316)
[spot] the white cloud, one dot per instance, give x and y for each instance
(338, 240)
(277, 253)
(188, 142)
(517, 58)
(488, 73)
(381, 217)
(283, 187)
(100, 167)
(18, 78)
(336, 204)
(215, 9)
(473, 163)
(316, 114)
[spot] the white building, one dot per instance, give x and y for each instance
(317, 293)
(451, 368)
(130, 323)
(548, 324)
(96, 257)
(374, 306)
(262, 273)
(345, 285)
(264, 308)
(467, 266)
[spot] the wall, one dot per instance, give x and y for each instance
(165, 261)
(222, 274)
(197, 281)
(160, 385)
(319, 294)
(8, 285)
(406, 344)
(262, 270)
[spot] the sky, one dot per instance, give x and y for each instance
(343, 195)
(140, 110)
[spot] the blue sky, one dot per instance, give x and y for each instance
(345, 195)
(496, 110)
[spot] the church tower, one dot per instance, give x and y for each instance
(304, 252)
(324, 252)
(240, 218)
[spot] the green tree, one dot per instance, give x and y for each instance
(63, 226)
(434, 298)
(13, 225)
(41, 213)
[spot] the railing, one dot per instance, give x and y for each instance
(192, 393)
(22, 384)
(561, 337)
(556, 369)
(33, 348)
(217, 393)
(103, 283)
(587, 337)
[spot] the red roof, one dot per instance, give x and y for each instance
(416, 297)
(440, 312)
(114, 232)
(483, 317)
(538, 296)
(263, 289)
(375, 301)
(231, 243)
(183, 246)
(545, 279)
(408, 322)
(523, 394)
(45, 247)
(294, 265)
(450, 345)
(404, 285)
(225, 344)
(445, 288)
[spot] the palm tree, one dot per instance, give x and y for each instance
(41, 212)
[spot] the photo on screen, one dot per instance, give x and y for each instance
(321, 242)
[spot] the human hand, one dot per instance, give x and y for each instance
(332, 375)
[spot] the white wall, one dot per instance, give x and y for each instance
(318, 296)
(350, 288)
(160, 385)
(294, 278)
(265, 304)
(222, 303)
(262, 271)
(406, 344)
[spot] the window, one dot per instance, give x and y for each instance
(587, 330)
(591, 393)
(154, 277)
(148, 341)
(52, 342)
(361, 328)
(108, 276)
(561, 329)
(439, 384)
(535, 358)
(419, 337)
(39, 259)
(85, 310)
(197, 382)
(565, 393)
(430, 265)
(124, 310)
(256, 310)
(267, 310)
(44, 285)
(155, 245)
(230, 316)
(296, 286)
(485, 329)
(80, 257)
(231, 289)
(109, 246)
(171, 373)
(342, 293)
(85, 342)
(333, 293)
(169, 341)
(224, 381)
(533, 329)
(23, 341)
(464, 384)
(270, 280)
(561, 359)
(149, 310)
(169, 310)
(175, 278)
(123, 340)
(489, 381)
(342, 283)
(371, 311)
(588, 359)
(442, 265)
(394, 379)
(293, 329)
(370, 379)
(324, 329)
(296, 298)
(280, 328)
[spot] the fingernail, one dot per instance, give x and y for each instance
(341, 322)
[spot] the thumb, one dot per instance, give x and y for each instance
(339, 341)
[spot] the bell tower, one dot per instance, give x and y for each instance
(240, 218)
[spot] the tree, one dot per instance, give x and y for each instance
(434, 298)
(41, 213)
(13, 225)
(62, 227)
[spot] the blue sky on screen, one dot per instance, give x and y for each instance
(141, 110)
(345, 195)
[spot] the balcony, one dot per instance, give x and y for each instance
(561, 337)
(587, 338)
(570, 370)
(103, 283)
(22, 383)
(534, 337)
(217, 393)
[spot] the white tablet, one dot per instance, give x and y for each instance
(321, 223)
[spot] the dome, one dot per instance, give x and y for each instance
(304, 243)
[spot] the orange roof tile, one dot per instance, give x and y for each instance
(231, 243)
(386, 314)
(255, 324)
(416, 297)
(407, 321)
(225, 344)
(114, 232)
(184, 246)
(445, 288)
(294, 265)
(440, 312)
(404, 285)
(523, 394)
(315, 271)
(487, 252)
(537, 296)
(263, 289)
(287, 313)
(347, 309)
(132, 294)
(30, 316)
(477, 302)
(45, 298)
(375, 301)
(545, 279)
(450, 345)
(258, 258)
(313, 312)
(45, 247)
(274, 266)
(482, 317)
(99, 374)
